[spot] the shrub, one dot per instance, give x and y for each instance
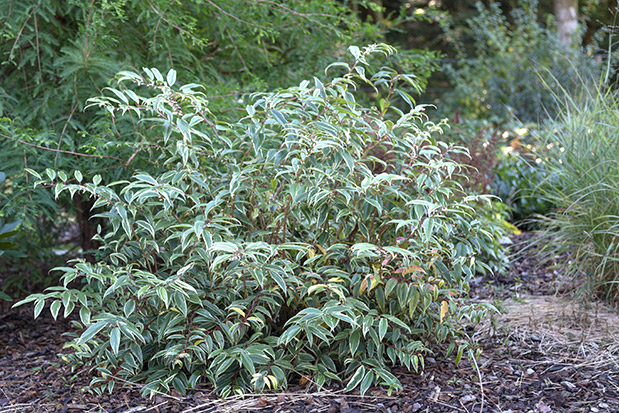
(55, 54)
(503, 75)
(269, 250)
(518, 180)
(483, 142)
(503, 161)
(583, 163)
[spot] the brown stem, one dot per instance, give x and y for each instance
(87, 226)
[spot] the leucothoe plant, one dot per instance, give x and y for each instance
(273, 250)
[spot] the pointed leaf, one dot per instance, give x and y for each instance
(115, 339)
(356, 379)
(91, 332)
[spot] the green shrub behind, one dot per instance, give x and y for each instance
(314, 240)
(502, 74)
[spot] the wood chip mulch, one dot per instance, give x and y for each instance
(545, 352)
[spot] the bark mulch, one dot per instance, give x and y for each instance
(543, 353)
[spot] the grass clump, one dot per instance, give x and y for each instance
(582, 156)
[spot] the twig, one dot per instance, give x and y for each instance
(64, 128)
(60, 150)
(450, 406)
(481, 384)
(232, 15)
(22, 29)
(127, 382)
(236, 49)
(149, 408)
(36, 34)
(171, 23)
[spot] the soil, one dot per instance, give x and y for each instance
(545, 352)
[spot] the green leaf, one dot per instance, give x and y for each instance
(85, 315)
(382, 328)
(128, 308)
(248, 363)
(10, 229)
(279, 280)
(91, 332)
(119, 94)
(38, 307)
(355, 338)
(389, 286)
(367, 382)
(279, 117)
(224, 366)
(115, 339)
(163, 295)
(54, 308)
(355, 379)
(146, 178)
(171, 77)
(350, 162)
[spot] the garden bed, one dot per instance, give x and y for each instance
(543, 353)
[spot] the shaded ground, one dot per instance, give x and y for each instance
(544, 353)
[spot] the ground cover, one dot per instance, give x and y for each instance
(545, 352)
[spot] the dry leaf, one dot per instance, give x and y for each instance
(444, 309)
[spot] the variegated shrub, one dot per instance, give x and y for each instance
(270, 250)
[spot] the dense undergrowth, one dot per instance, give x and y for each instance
(56, 55)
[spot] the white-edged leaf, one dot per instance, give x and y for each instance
(171, 77)
(367, 382)
(279, 117)
(356, 379)
(85, 315)
(54, 308)
(355, 52)
(382, 328)
(91, 332)
(38, 308)
(115, 339)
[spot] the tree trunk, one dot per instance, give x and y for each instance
(88, 226)
(566, 15)
(378, 14)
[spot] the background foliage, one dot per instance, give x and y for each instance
(503, 68)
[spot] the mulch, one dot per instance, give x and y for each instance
(545, 352)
